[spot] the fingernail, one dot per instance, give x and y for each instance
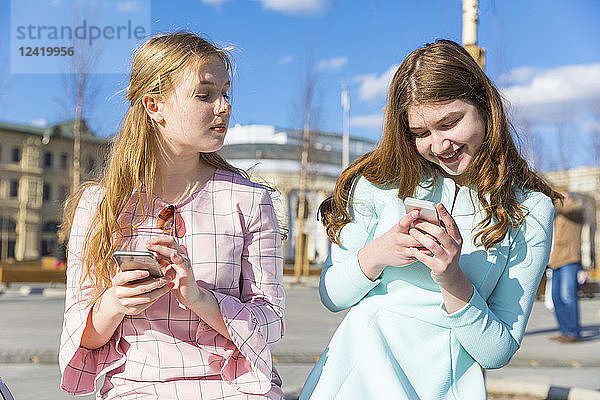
(415, 213)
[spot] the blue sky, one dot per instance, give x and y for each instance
(543, 54)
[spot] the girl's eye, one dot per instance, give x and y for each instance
(450, 124)
(201, 96)
(226, 95)
(419, 135)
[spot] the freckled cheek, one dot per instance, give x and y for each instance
(422, 148)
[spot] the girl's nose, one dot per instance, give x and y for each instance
(222, 106)
(439, 143)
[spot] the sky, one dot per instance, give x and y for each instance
(544, 56)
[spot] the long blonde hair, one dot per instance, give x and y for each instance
(439, 72)
(134, 154)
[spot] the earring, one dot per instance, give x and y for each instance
(159, 117)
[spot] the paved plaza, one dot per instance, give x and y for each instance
(30, 329)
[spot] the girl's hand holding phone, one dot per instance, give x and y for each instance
(442, 247)
(170, 253)
(391, 248)
(134, 291)
(200, 301)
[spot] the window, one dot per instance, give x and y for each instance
(14, 188)
(46, 192)
(47, 247)
(47, 159)
(11, 225)
(16, 155)
(11, 249)
(51, 226)
(64, 160)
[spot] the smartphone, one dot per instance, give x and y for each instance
(426, 209)
(131, 260)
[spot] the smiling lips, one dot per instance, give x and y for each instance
(221, 128)
(450, 157)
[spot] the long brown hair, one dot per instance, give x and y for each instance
(132, 163)
(439, 72)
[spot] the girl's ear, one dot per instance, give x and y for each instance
(153, 107)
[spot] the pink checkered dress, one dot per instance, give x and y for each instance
(229, 230)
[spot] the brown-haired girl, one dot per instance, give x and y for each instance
(205, 329)
(431, 304)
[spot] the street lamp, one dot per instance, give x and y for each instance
(346, 127)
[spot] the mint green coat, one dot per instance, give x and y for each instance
(397, 341)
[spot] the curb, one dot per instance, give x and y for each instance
(295, 357)
(539, 390)
(29, 290)
(26, 356)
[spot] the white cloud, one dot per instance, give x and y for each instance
(559, 93)
(293, 7)
(128, 6)
(332, 64)
(372, 122)
(214, 2)
(55, 3)
(375, 87)
(518, 75)
(285, 59)
(39, 122)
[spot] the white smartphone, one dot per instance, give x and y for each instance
(426, 209)
(131, 260)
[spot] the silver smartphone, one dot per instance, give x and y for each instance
(426, 209)
(131, 260)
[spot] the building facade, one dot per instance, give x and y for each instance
(273, 156)
(35, 178)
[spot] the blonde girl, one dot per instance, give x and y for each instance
(206, 328)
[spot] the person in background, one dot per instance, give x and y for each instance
(565, 261)
(432, 304)
(205, 329)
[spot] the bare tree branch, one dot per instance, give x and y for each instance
(311, 114)
(81, 86)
